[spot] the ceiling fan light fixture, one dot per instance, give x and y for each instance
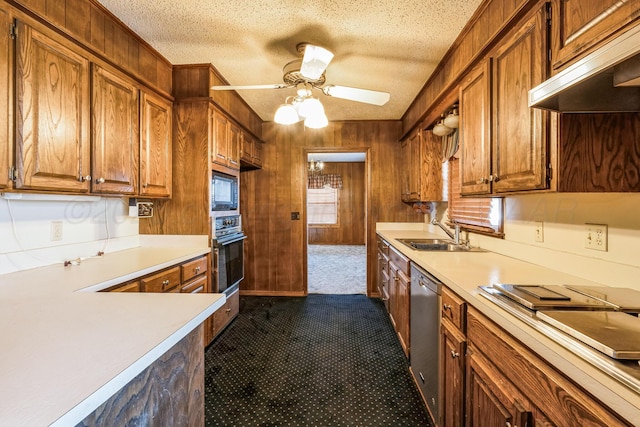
(315, 61)
(453, 119)
(441, 130)
(316, 121)
(286, 114)
(311, 106)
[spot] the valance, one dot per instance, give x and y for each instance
(320, 181)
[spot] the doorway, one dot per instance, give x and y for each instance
(336, 221)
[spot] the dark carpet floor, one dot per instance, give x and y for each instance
(321, 360)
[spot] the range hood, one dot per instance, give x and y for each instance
(607, 80)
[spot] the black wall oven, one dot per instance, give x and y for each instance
(228, 254)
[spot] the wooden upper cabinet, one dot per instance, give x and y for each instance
(475, 132)
(6, 99)
(226, 141)
(422, 167)
(155, 146)
(578, 26)
(52, 112)
(504, 142)
(233, 146)
(519, 133)
(115, 144)
(220, 129)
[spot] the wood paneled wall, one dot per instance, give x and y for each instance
(275, 261)
(352, 212)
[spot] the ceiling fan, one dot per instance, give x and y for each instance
(305, 75)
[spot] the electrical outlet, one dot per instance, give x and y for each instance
(56, 230)
(539, 231)
(596, 237)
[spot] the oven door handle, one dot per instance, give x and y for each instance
(231, 240)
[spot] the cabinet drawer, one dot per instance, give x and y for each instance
(453, 308)
(400, 261)
(383, 246)
(227, 312)
(164, 281)
(191, 269)
(128, 287)
(195, 286)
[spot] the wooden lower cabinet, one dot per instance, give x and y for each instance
(165, 281)
(399, 296)
(507, 382)
(170, 392)
(452, 365)
(222, 317)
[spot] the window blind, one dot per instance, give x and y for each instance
(322, 206)
(479, 214)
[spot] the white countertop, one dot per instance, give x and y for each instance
(463, 272)
(66, 348)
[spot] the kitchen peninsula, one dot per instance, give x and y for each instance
(67, 348)
(559, 369)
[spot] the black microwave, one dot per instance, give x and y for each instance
(224, 192)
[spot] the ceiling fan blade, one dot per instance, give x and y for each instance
(354, 94)
(315, 61)
(227, 87)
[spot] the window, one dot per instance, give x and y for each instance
(322, 207)
(479, 214)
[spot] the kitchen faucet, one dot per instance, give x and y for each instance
(455, 235)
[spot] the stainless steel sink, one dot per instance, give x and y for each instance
(440, 245)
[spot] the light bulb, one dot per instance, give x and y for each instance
(310, 107)
(286, 115)
(316, 121)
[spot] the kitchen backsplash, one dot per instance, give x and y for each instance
(563, 219)
(85, 225)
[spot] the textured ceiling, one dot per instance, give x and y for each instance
(388, 45)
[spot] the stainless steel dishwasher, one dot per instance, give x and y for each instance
(425, 335)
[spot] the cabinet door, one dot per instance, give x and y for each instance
(402, 311)
(579, 25)
(220, 127)
(233, 146)
(257, 153)
(475, 134)
(115, 143)
(155, 146)
(246, 148)
(491, 399)
(53, 113)
(520, 133)
(452, 359)
(393, 292)
(412, 164)
(6, 98)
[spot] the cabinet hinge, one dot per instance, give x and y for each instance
(549, 172)
(13, 30)
(12, 173)
(548, 14)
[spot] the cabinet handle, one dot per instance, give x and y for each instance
(228, 310)
(197, 269)
(454, 354)
(482, 181)
(100, 181)
(384, 299)
(446, 307)
(494, 178)
(145, 185)
(165, 283)
(84, 178)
